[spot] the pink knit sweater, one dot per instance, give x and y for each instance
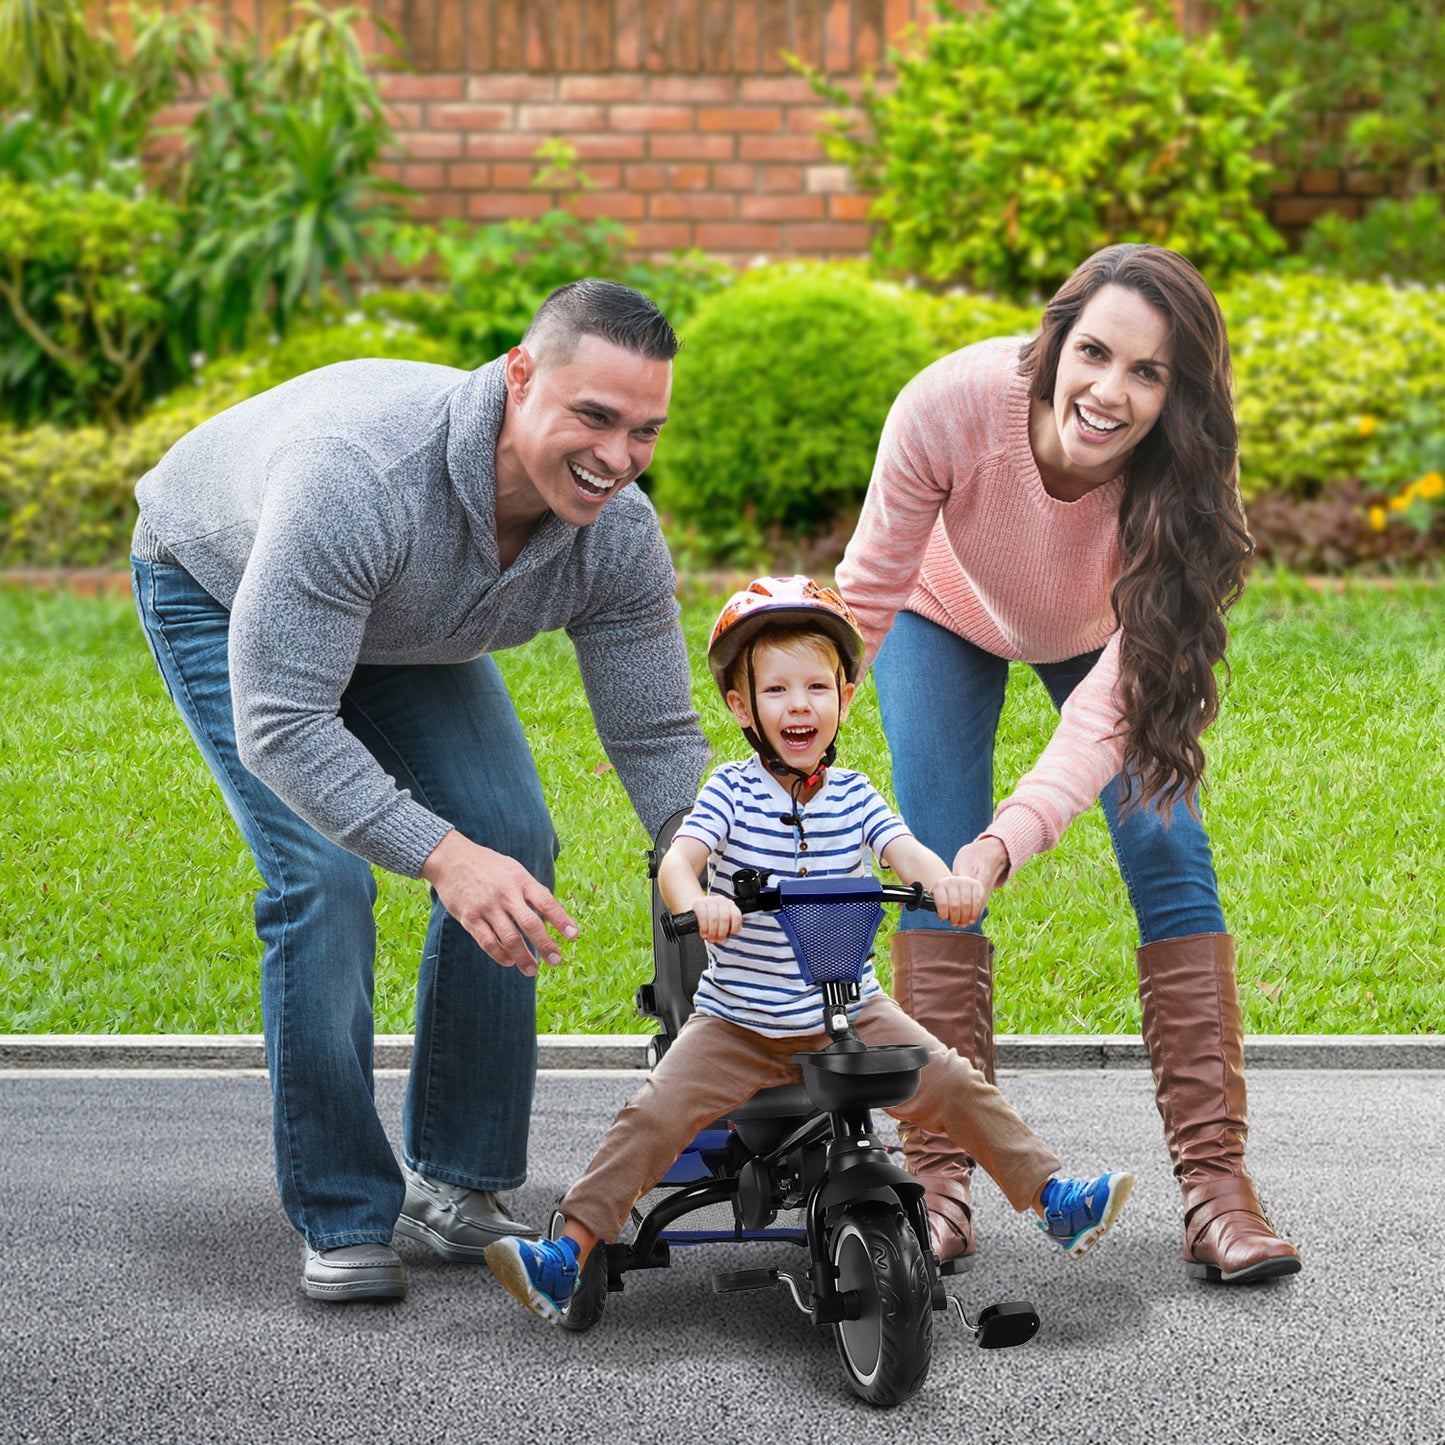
(957, 527)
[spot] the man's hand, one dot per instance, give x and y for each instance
(498, 902)
(959, 900)
(717, 917)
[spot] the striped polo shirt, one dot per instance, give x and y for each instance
(753, 978)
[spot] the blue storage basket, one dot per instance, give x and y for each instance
(831, 924)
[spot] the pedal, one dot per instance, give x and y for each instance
(1001, 1326)
(960, 1265)
(733, 1281)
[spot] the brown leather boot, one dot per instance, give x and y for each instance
(944, 981)
(1195, 1037)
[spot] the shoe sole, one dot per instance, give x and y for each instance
(511, 1273)
(1265, 1269)
(348, 1290)
(449, 1249)
(1118, 1193)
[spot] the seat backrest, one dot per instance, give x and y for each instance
(677, 964)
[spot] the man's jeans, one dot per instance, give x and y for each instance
(449, 735)
(940, 698)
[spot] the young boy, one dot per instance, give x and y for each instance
(786, 656)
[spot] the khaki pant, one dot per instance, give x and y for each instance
(713, 1066)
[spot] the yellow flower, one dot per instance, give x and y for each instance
(1430, 486)
(1377, 519)
(1366, 426)
(1398, 504)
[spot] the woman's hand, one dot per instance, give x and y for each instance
(985, 859)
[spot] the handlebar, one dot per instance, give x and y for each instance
(752, 895)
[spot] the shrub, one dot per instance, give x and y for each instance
(1388, 59)
(1023, 137)
(779, 397)
(1346, 527)
(67, 497)
(1325, 369)
(1394, 241)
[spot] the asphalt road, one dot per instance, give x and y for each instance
(151, 1292)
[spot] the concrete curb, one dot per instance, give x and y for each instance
(629, 1051)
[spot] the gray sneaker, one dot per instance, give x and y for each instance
(353, 1272)
(458, 1223)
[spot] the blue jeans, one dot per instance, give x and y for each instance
(451, 736)
(940, 699)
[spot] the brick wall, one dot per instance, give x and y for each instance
(684, 113)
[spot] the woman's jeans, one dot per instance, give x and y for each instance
(451, 737)
(940, 699)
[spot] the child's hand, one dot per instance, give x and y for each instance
(959, 900)
(718, 918)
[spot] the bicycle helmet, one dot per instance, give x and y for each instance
(782, 602)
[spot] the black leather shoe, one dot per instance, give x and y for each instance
(458, 1223)
(354, 1272)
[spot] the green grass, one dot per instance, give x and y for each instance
(125, 900)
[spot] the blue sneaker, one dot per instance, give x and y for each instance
(542, 1273)
(1079, 1212)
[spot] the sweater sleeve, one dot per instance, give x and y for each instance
(1086, 750)
(905, 495)
(323, 552)
(634, 667)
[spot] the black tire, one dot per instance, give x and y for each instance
(887, 1351)
(589, 1296)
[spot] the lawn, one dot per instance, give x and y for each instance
(125, 904)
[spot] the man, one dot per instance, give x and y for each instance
(321, 573)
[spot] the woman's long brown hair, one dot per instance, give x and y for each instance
(1182, 537)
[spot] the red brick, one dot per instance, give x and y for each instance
(780, 148)
(435, 205)
(737, 177)
(782, 89)
(649, 177)
(387, 170)
(739, 236)
(606, 176)
(805, 119)
(512, 87)
(591, 148)
(780, 208)
(407, 86)
(651, 117)
(691, 147)
(828, 236)
(662, 235)
(427, 176)
(739, 118)
(691, 90)
(502, 146)
(823, 180)
(1320, 183)
(512, 177)
(1364, 183)
(406, 115)
(507, 205)
(780, 178)
(469, 117)
(667, 206)
(694, 178)
(615, 205)
(426, 145)
(554, 118)
(1296, 211)
(468, 177)
(849, 208)
(602, 87)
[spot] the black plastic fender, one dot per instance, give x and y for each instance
(863, 1177)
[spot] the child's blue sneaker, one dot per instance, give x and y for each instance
(542, 1273)
(1079, 1212)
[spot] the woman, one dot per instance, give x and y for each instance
(1072, 502)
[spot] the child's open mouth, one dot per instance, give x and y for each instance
(798, 740)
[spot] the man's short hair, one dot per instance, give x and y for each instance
(608, 309)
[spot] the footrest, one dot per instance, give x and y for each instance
(1002, 1326)
(961, 1265)
(732, 1281)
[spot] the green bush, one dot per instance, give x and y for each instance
(1021, 138)
(67, 497)
(1389, 60)
(1325, 371)
(778, 400)
(1394, 241)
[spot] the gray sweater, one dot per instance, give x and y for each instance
(346, 517)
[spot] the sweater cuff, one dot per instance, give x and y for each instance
(1022, 833)
(406, 840)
